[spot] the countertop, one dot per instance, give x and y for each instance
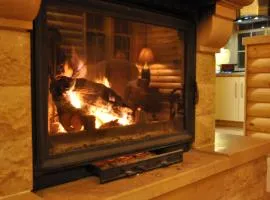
(233, 74)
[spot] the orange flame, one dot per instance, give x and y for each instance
(103, 81)
(102, 110)
(74, 98)
(104, 114)
(61, 129)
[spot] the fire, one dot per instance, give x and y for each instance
(74, 98)
(103, 81)
(61, 128)
(103, 111)
(104, 114)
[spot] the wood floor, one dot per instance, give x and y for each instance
(230, 130)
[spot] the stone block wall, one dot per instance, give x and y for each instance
(245, 182)
(205, 108)
(15, 113)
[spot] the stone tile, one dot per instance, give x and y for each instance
(246, 176)
(16, 166)
(205, 68)
(15, 113)
(14, 58)
(24, 196)
(204, 130)
(245, 182)
(206, 105)
(253, 192)
(15, 140)
(188, 192)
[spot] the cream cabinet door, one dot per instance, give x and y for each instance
(242, 90)
(227, 93)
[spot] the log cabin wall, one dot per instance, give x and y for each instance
(167, 46)
(70, 25)
(258, 85)
(167, 69)
(167, 72)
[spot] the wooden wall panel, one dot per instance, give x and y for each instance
(259, 65)
(258, 51)
(166, 72)
(70, 25)
(261, 95)
(258, 110)
(258, 85)
(258, 124)
(167, 45)
(165, 79)
(259, 80)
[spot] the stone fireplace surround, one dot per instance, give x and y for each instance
(204, 166)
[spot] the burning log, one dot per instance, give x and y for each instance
(71, 121)
(89, 90)
(95, 100)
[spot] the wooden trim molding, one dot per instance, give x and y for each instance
(265, 39)
(18, 14)
(236, 3)
(214, 31)
(225, 123)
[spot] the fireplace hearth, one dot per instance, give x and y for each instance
(113, 88)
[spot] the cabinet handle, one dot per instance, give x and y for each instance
(235, 90)
(242, 89)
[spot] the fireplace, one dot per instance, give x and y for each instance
(113, 88)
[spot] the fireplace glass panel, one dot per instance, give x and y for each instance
(111, 80)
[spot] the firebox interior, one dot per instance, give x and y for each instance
(109, 80)
(108, 72)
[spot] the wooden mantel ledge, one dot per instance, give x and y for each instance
(22, 196)
(18, 14)
(229, 151)
(256, 40)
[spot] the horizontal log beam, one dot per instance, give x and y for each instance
(71, 33)
(258, 110)
(260, 80)
(58, 16)
(261, 95)
(164, 66)
(260, 65)
(167, 79)
(166, 85)
(166, 72)
(258, 124)
(258, 51)
(66, 25)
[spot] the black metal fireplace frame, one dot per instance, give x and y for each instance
(55, 170)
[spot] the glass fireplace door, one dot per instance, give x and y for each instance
(111, 80)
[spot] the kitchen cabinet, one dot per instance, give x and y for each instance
(230, 98)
